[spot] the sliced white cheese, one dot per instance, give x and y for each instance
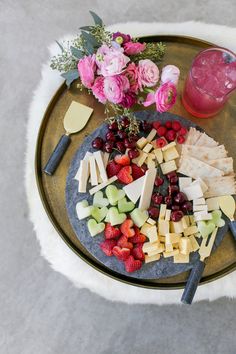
(162, 212)
(105, 158)
(83, 175)
(100, 163)
(212, 203)
(168, 167)
(193, 191)
(86, 157)
(167, 215)
(200, 208)
(199, 201)
(147, 189)
(133, 190)
(93, 171)
(102, 185)
(184, 182)
(202, 215)
(147, 148)
(141, 143)
(151, 135)
(202, 184)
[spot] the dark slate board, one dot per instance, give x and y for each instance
(155, 270)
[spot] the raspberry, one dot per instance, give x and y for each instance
(170, 135)
(137, 171)
(156, 124)
(180, 139)
(137, 252)
(160, 142)
(121, 253)
(112, 169)
(161, 131)
(176, 125)
(168, 124)
(138, 238)
(123, 160)
(111, 231)
(127, 228)
(124, 243)
(131, 264)
(183, 131)
(124, 175)
(107, 246)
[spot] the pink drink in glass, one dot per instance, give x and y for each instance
(212, 78)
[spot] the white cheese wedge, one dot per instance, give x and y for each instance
(212, 203)
(202, 215)
(141, 143)
(147, 189)
(149, 259)
(83, 176)
(181, 258)
(170, 154)
(168, 167)
(159, 155)
(199, 201)
(152, 234)
(162, 212)
(151, 135)
(102, 185)
(184, 182)
(86, 157)
(99, 160)
(151, 221)
(202, 184)
(133, 190)
(170, 254)
(93, 171)
(200, 208)
(193, 191)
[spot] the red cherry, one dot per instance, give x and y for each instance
(161, 131)
(125, 122)
(108, 146)
(173, 180)
(146, 126)
(183, 131)
(180, 139)
(171, 174)
(133, 137)
(159, 181)
(160, 142)
(120, 146)
(113, 126)
(129, 143)
(157, 198)
(175, 207)
(187, 207)
(168, 200)
(156, 124)
(97, 143)
(172, 189)
(110, 136)
(176, 215)
(170, 135)
(133, 153)
(180, 198)
(121, 134)
(176, 125)
(153, 212)
(168, 124)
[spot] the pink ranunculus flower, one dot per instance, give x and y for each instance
(164, 97)
(98, 89)
(113, 62)
(132, 48)
(128, 100)
(115, 88)
(170, 73)
(101, 53)
(148, 73)
(87, 68)
(132, 74)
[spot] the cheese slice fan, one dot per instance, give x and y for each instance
(227, 205)
(198, 268)
(75, 120)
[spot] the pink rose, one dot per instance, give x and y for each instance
(132, 74)
(148, 73)
(98, 89)
(112, 61)
(164, 97)
(115, 88)
(128, 100)
(170, 73)
(86, 68)
(132, 48)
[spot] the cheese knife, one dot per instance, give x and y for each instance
(74, 121)
(227, 205)
(198, 268)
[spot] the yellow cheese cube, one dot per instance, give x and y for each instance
(195, 245)
(170, 254)
(190, 230)
(152, 234)
(176, 227)
(151, 221)
(141, 143)
(163, 227)
(149, 259)
(151, 161)
(168, 167)
(148, 148)
(145, 228)
(185, 245)
(168, 213)
(159, 155)
(149, 247)
(169, 146)
(151, 135)
(142, 158)
(169, 247)
(162, 212)
(170, 154)
(173, 237)
(181, 258)
(160, 249)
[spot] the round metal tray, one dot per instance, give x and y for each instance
(180, 51)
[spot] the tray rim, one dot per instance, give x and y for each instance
(38, 174)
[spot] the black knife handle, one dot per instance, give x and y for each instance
(192, 283)
(232, 226)
(57, 155)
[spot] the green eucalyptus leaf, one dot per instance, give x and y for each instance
(78, 54)
(70, 76)
(96, 18)
(86, 28)
(88, 37)
(60, 46)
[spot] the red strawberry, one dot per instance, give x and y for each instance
(176, 125)
(124, 243)
(183, 131)
(156, 124)
(168, 124)
(137, 171)
(138, 238)
(131, 264)
(137, 252)
(161, 130)
(111, 231)
(180, 139)
(124, 175)
(170, 135)
(160, 142)
(127, 228)
(112, 169)
(107, 246)
(123, 160)
(121, 253)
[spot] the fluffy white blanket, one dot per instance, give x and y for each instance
(60, 257)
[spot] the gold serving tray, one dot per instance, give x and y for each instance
(180, 51)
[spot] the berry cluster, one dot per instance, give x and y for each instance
(171, 131)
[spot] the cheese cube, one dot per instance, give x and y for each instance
(142, 158)
(168, 213)
(169, 146)
(162, 212)
(151, 221)
(181, 258)
(148, 148)
(144, 229)
(150, 161)
(193, 191)
(141, 143)
(154, 144)
(212, 204)
(185, 221)
(151, 135)
(159, 155)
(160, 249)
(172, 238)
(169, 247)
(170, 154)
(168, 167)
(200, 208)
(185, 245)
(191, 219)
(202, 215)
(152, 234)
(170, 254)
(184, 182)
(162, 239)
(199, 201)
(176, 227)
(190, 230)
(149, 259)
(195, 245)
(163, 227)
(149, 247)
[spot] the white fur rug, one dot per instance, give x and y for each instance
(58, 254)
